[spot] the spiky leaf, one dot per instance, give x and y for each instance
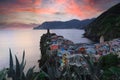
(17, 73)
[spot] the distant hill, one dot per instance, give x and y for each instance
(14, 26)
(107, 24)
(65, 25)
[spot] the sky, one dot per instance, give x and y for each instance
(39, 11)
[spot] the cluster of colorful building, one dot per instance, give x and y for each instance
(70, 53)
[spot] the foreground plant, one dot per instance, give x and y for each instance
(110, 66)
(16, 72)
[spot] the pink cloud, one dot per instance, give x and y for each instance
(26, 6)
(61, 1)
(82, 11)
(37, 2)
(81, 8)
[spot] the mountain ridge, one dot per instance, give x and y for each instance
(74, 23)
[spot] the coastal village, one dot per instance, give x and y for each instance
(63, 53)
(56, 57)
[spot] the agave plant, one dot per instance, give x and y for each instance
(16, 71)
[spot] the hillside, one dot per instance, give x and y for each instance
(107, 24)
(72, 24)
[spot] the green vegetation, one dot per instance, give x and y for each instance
(110, 66)
(107, 24)
(112, 73)
(110, 60)
(16, 71)
(109, 27)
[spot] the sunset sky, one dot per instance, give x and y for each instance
(38, 11)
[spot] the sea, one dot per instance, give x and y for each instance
(29, 41)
